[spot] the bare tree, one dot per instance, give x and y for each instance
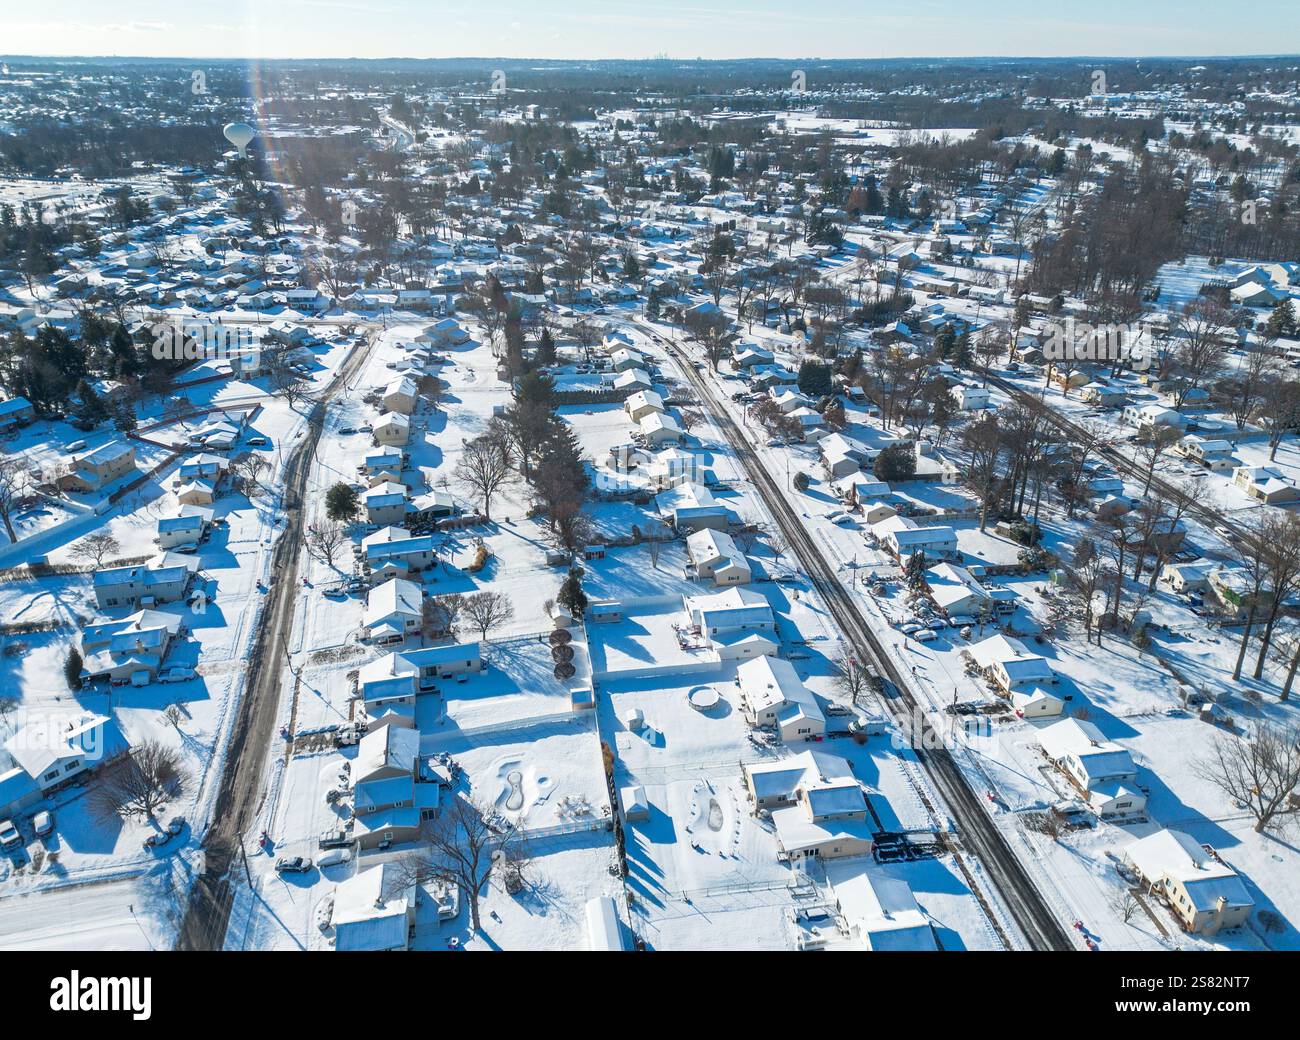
(248, 473)
(1125, 904)
(286, 382)
(1199, 353)
(1260, 770)
(1242, 391)
(96, 548)
(139, 784)
(851, 677)
(323, 541)
(15, 478)
(1088, 573)
(1151, 444)
(484, 468)
(487, 610)
(439, 614)
(1257, 556)
(1279, 409)
(1282, 532)
(778, 543)
(457, 847)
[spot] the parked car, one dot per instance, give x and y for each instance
(181, 673)
(335, 857)
(43, 824)
(9, 836)
(292, 865)
(926, 635)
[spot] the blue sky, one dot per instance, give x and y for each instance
(628, 29)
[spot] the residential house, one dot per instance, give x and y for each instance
(394, 610)
(94, 470)
(773, 696)
(955, 591)
(400, 396)
(1265, 484)
(391, 552)
(737, 623)
(633, 381)
(390, 799)
(659, 428)
(15, 412)
(1204, 893)
(374, 910)
(393, 428)
(1102, 770)
(642, 404)
(903, 536)
(879, 911)
(714, 554)
(1007, 662)
(186, 530)
(164, 579)
(128, 650)
(386, 504)
(691, 507)
(53, 752)
(817, 805)
(970, 398)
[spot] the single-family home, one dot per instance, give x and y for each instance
(163, 579)
(879, 911)
(772, 695)
(390, 800)
(970, 398)
(817, 805)
(400, 395)
(386, 504)
(93, 470)
(393, 428)
(15, 412)
(643, 403)
(714, 554)
(903, 536)
(185, 530)
(1265, 484)
(737, 623)
(374, 910)
(392, 552)
(955, 591)
(1007, 662)
(660, 428)
(1102, 770)
(394, 610)
(690, 506)
(1204, 893)
(129, 650)
(53, 751)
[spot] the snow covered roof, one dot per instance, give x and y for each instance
(395, 596)
(371, 909)
(880, 908)
(1173, 854)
